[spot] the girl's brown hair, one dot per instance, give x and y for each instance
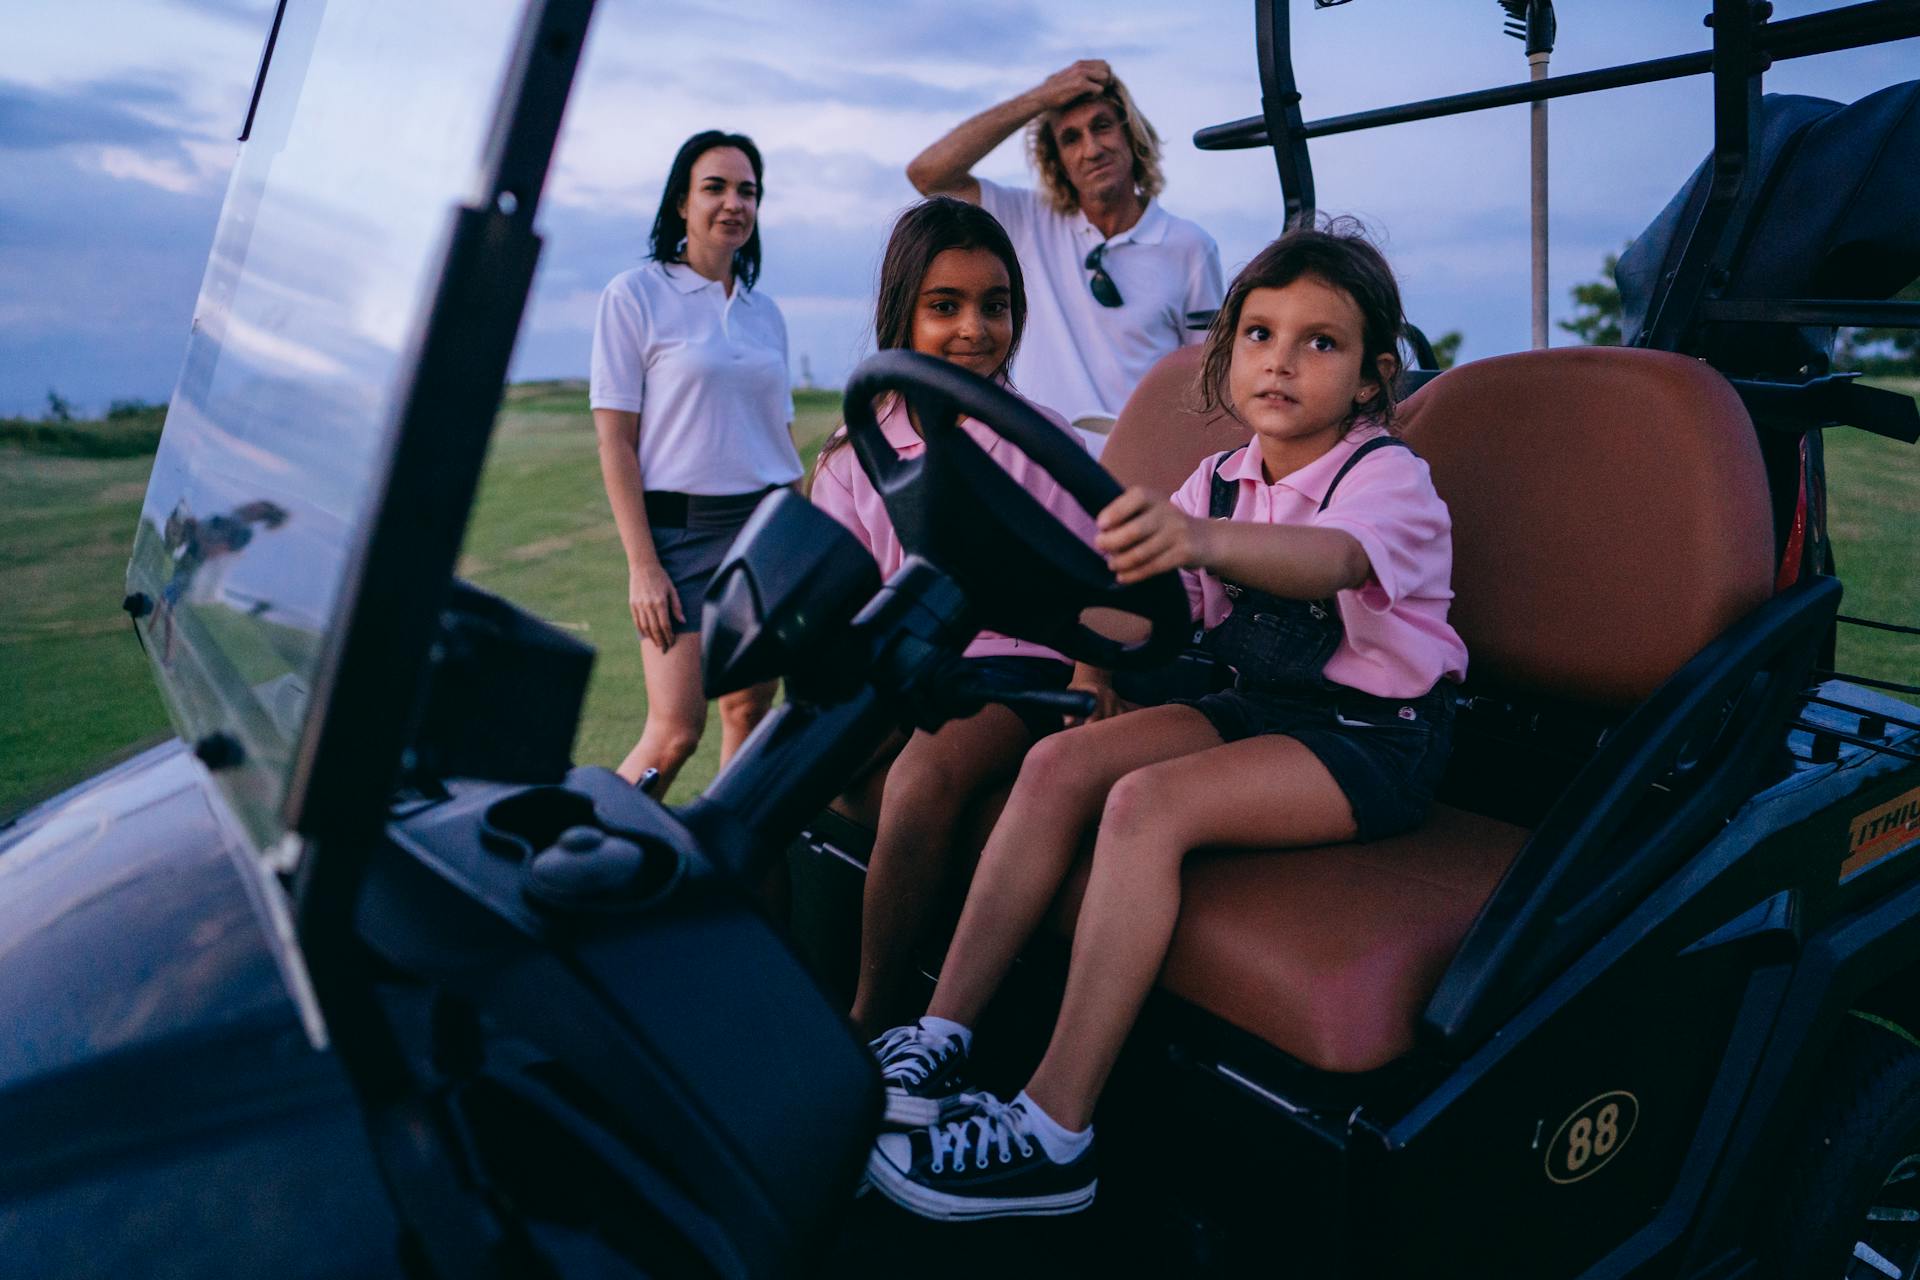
(1340, 256)
(1142, 140)
(921, 234)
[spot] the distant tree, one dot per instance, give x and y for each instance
(1596, 322)
(1446, 348)
(59, 408)
(119, 409)
(1882, 351)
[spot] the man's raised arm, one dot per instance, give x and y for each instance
(946, 167)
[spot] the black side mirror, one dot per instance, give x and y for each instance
(780, 602)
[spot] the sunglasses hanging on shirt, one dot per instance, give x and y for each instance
(1105, 291)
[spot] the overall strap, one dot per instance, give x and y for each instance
(1378, 442)
(1220, 497)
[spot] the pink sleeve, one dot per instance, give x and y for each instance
(1388, 504)
(833, 493)
(1048, 491)
(1195, 498)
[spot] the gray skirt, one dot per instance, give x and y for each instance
(691, 535)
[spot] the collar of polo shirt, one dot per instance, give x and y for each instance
(897, 430)
(1151, 229)
(686, 279)
(1310, 481)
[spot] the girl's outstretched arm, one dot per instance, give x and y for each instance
(1142, 534)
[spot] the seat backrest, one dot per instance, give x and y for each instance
(1610, 515)
(1160, 435)
(1610, 508)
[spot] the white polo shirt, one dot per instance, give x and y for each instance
(1077, 357)
(707, 373)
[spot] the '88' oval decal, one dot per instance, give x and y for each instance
(1591, 1136)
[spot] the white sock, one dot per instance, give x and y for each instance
(1063, 1145)
(948, 1027)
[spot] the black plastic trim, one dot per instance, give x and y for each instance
(1280, 111)
(1811, 311)
(370, 688)
(260, 74)
(1848, 28)
(1573, 877)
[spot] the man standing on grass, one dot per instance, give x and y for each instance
(1111, 275)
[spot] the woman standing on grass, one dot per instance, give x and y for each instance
(692, 406)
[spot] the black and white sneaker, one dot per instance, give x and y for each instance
(989, 1165)
(925, 1075)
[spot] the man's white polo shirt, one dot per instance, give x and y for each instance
(706, 372)
(1077, 357)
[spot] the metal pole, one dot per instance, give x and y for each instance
(1537, 62)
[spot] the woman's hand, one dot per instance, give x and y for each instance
(1142, 534)
(654, 603)
(1099, 683)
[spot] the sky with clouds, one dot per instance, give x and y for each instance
(117, 120)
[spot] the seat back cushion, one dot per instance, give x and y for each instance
(1610, 515)
(1161, 435)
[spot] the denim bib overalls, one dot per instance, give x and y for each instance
(1275, 644)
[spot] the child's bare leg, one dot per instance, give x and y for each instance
(1259, 792)
(861, 800)
(741, 713)
(928, 789)
(1062, 785)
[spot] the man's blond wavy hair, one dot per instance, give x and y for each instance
(1141, 139)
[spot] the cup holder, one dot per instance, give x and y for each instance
(570, 859)
(528, 821)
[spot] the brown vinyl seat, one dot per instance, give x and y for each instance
(1610, 518)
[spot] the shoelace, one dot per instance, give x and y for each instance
(908, 1054)
(999, 1125)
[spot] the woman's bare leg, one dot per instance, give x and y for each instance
(740, 712)
(1061, 789)
(676, 711)
(1256, 793)
(928, 788)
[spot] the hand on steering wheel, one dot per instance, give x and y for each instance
(1024, 572)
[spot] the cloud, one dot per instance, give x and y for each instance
(989, 33)
(164, 172)
(765, 82)
(99, 280)
(40, 119)
(252, 14)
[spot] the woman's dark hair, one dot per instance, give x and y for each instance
(921, 234)
(670, 226)
(1340, 256)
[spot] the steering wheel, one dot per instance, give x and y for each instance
(1026, 574)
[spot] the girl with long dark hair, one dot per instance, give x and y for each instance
(1319, 558)
(949, 287)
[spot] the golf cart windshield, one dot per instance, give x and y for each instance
(368, 131)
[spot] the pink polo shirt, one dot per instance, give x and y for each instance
(842, 490)
(1397, 642)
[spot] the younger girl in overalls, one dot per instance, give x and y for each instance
(1318, 557)
(950, 286)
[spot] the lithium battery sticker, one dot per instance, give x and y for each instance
(1880, 832)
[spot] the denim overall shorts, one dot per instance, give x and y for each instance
(1386, 754)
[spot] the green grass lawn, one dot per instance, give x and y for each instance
(1873, 515)
(75, 689)
(542, 536)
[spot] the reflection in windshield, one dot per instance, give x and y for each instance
(367, 137)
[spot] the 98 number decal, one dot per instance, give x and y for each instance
(1591, 1136)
